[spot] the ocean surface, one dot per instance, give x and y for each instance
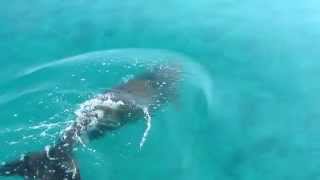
(247, 107)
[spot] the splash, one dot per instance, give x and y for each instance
(47, 150)
(90, 112)
(146, 131)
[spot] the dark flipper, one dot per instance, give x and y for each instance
(51, 164)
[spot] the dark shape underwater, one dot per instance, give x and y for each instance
(116, 107)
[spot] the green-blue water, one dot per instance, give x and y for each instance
(247, 109)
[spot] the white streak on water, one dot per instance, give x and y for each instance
(47, 149)
(146, 131)
(13, 142)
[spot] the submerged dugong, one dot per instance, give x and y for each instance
(127, 102)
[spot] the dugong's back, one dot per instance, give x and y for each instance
(146, 92)
(154, 87)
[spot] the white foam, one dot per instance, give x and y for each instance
(47, 149)
(146, 131)
(90, 106)
(92, 110)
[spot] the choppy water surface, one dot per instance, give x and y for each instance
(247, 106)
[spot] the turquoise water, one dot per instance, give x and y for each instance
(247, 107)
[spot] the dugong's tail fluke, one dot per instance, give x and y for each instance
(50, 164)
